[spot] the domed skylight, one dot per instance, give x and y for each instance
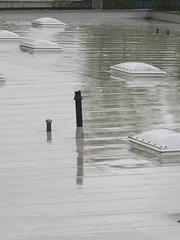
(161, 140)
(47, 21)
(138, 68)
(4, 34)
(39, 44)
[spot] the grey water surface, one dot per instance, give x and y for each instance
(54, 186)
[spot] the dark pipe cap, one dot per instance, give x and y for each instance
(48, 120)
(78, 96)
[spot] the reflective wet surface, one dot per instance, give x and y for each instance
(56, 186)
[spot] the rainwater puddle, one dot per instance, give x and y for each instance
(112, 107)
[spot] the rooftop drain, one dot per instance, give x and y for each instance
(7, 35)
(45, 21)
(159, 140)
(39, 44)
(138, 69)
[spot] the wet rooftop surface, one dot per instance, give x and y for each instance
(54, 186)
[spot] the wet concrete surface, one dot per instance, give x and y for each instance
(54, 186)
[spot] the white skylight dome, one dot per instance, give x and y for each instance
(160, 140)
(39, 44)
(6, 35)
(138, 68)
(46, 21)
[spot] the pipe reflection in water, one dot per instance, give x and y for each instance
(49, 136)
(80, 152)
